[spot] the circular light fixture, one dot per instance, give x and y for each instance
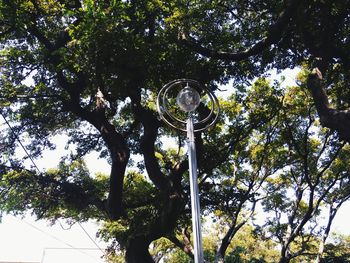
(188, 99)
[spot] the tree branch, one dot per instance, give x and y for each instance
(185, 246)
(115, 141)
(334, 119)
(274, 34)
(150, 126)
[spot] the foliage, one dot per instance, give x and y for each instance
(91, 70)
(337, 250)
(247, 247)
(65, 192)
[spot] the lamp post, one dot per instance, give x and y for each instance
(188, 100)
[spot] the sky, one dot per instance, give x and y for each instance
(27, 240)
(23, 239)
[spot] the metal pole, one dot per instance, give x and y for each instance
(196, 222)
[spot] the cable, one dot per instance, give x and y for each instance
(32, 160)
(19, 96)
(67, 248)
(90, 237)
(48, 234)
(56, 238)
(20, 143)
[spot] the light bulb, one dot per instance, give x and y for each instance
(188, 99)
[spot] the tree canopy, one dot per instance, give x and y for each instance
(91, 70)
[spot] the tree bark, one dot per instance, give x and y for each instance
(338, 120)
(137, 247)
(115, 141)
(118, 149)
(170, 189)
(331, 215)
(226, 241)
(284, 258)
(137, 251)
(120, 157)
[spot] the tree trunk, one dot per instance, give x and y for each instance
(284, 258)
(137, 251)
(219, 258)
(120, 159)
(332, 213)
(137, 248)
(334, 119)
(220, 254)
(320, 251)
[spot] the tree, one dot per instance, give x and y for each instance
(310, 175)
(287, 164)
(284, 34)
(335, 119)
(248, 246)
(93, 65)
(337, 250)
(92, 69)
(235, 189)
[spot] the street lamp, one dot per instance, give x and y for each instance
(188, 99)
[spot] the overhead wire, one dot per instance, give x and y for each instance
(56, 238)
(48, 234)
(93, 241)
(37, 168)
(20, 142)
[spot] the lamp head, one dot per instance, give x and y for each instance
(188, 99)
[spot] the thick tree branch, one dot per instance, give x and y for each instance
(184, 245)
(274, 34)
(119, 153)
(334, 119)
(226, 240)
(115, 141)
(150, 131)
(177, 173)
(333, 209)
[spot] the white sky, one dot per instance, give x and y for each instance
(27, 240)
